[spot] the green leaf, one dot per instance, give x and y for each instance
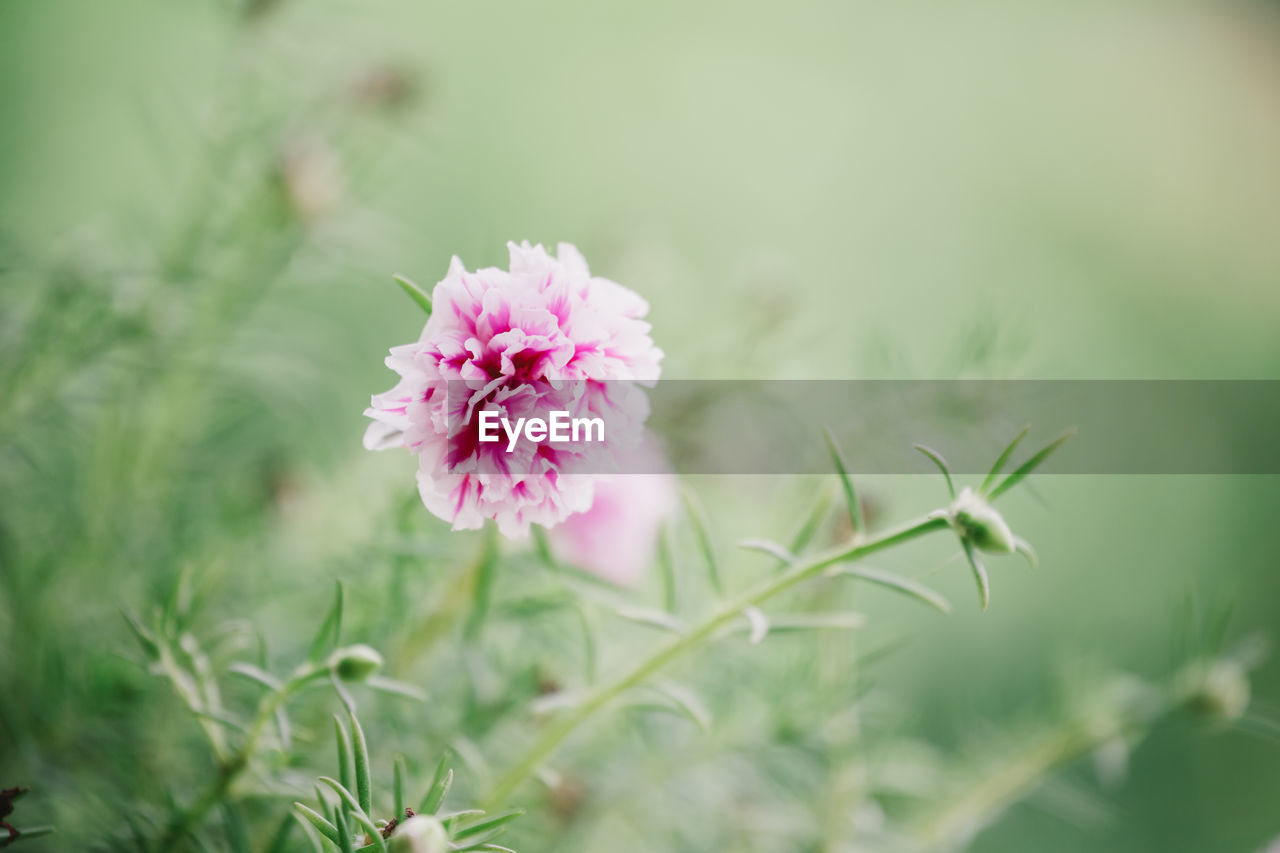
(280, 841)
(344, 832)
(237, 834)
(344, 751)
(937, 459)
(482, 592)
(284, 729)
(1022, 471)
(834, 621)
(702, 532)
(1003, 458)
(451, 819)
(398, 786)
(309, 830)
(586, 616)
(372, 831)
(439, 787)
(759, 624)
(417, 294)
(487, 824)
(809, 527)
(344, 793)
(319, 821)
(542, 547)
(330, 632)
(253, 673)
(667, 566)
(360, 751)
(650, 617)
(27, 833)
(399, 688)
(143, 636)
(898, 583)
(688, 703)
(766, 546)
(1024, 548)
(979, 572)
(857, 520)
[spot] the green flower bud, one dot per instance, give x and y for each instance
(977, 522)
(420, 834)
(1220, 691)
(355, 663)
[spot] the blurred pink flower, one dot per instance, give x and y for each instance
(544, 335)
(617, 537)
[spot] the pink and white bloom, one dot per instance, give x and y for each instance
(543, 335)
(617, 538)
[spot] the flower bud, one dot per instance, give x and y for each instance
(1221, 691)
(977, 522)
(420, 834)
(355, 663)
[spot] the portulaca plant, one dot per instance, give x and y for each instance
(546, 332)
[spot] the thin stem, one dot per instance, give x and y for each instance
(799, 571)
(229, 771)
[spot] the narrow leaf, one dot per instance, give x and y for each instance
(937, 459)
(399, 688)
(344, 751)
(372, 831)
(237, 834)
(687, 702)
(309, 830)
(816, 622)
(586, 616)
(702, 532)
(452, 819)
(898, 583)
(253, 673)
(439, 788)
(143, 636)
(1024, 548)
(344, 833)
(809, 527)
(482, 591)
(979, 573)
(667, 566)
(348, 799)
(283, 729)
(1002, 459)
(319, 821)
(651, 617)
(857, 520)
(280, 841)
(417, 294)
(398, 786)
(360, 752)
(487, 824)
(330, 632)
(348, 701)
(1022, 471)
(765, 546)
(759, 624)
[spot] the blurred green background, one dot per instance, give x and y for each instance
(201, 205)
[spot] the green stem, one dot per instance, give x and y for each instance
(229, 771)
(958, 820)
(799, 571)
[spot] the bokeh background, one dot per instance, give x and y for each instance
(201, 205)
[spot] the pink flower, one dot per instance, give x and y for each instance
(617, 537)
(544, 335)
